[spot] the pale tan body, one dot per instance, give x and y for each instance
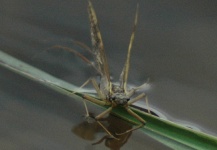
(109, 94)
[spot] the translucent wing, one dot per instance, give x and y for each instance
(124, 74)
(98, 48)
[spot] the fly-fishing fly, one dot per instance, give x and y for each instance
(109, 94)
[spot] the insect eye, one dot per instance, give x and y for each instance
(128, 99)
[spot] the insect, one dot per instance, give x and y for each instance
(110, 94)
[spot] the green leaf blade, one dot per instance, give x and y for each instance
(167, 132)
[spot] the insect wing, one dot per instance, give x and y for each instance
(98, 48)
(124, 74)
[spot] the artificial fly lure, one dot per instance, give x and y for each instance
(110, 94)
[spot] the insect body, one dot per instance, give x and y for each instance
(111, 94)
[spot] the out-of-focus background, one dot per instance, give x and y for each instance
(175, 46)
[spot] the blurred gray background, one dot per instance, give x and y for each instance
(175, 46)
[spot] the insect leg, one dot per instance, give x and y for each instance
(85, 105)
(84, 84)
(147, 104)
(138, 98)
(94, 100)
(143, 122)
(88, 98)
(133, 90)
(99, 92)
(107, 111)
